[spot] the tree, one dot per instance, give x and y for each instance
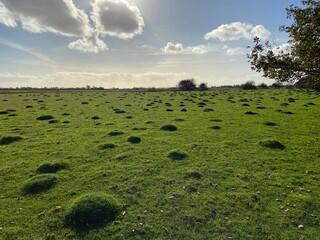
(302, 63)
(203, 87)
(248, 85)
(263, 86)
(187, 85)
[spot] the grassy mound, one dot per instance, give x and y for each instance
(176, 155)
(45, 117)
(92, 211)
(250, 113)
(270, 124)
(115, 133)
(53, 121)
(107, 146)
(51, 167)
(169, 127)
(39, 183)
(9, 140)
(272, 144)
(134, 140)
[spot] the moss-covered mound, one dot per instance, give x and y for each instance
(169, 127)
(177, 155)
(45, 117)
(9, 139)
(39, 183)
(51, 167)
(134, 140)
(92, 211)
(273, 144)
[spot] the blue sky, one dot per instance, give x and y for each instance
(133, 43)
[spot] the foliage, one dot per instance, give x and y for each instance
(249, 85)
(263, 86)
(302, 63)
(187, 85)
(203, 87)
(92, 211)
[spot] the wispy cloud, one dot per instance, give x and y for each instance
(30, 51)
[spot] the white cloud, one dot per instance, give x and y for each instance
(108, 17)
(6, 17)
(261, 32)
(89, 44)
(283, 48)
(172, 48)
(117, 18)
(201, 49)
(30, 51)
(236, 51)
(107, 80)
(59, 16)
(236, 31)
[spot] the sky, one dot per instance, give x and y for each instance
(134, 43)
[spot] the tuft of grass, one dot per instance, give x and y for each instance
(51, 167)
(92, 211)
(169, 127)
(215, 127)
(193, 174)
(177, 155)
(45, 117)
(9, 139)
(95, 118)
(273, 144)
(39, 183)
(134, 140)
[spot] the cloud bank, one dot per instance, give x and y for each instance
(116, 18)
(236, 31)
(107, 80)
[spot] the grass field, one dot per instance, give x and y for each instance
(239, 165)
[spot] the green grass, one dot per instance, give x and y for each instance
(234, 182)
